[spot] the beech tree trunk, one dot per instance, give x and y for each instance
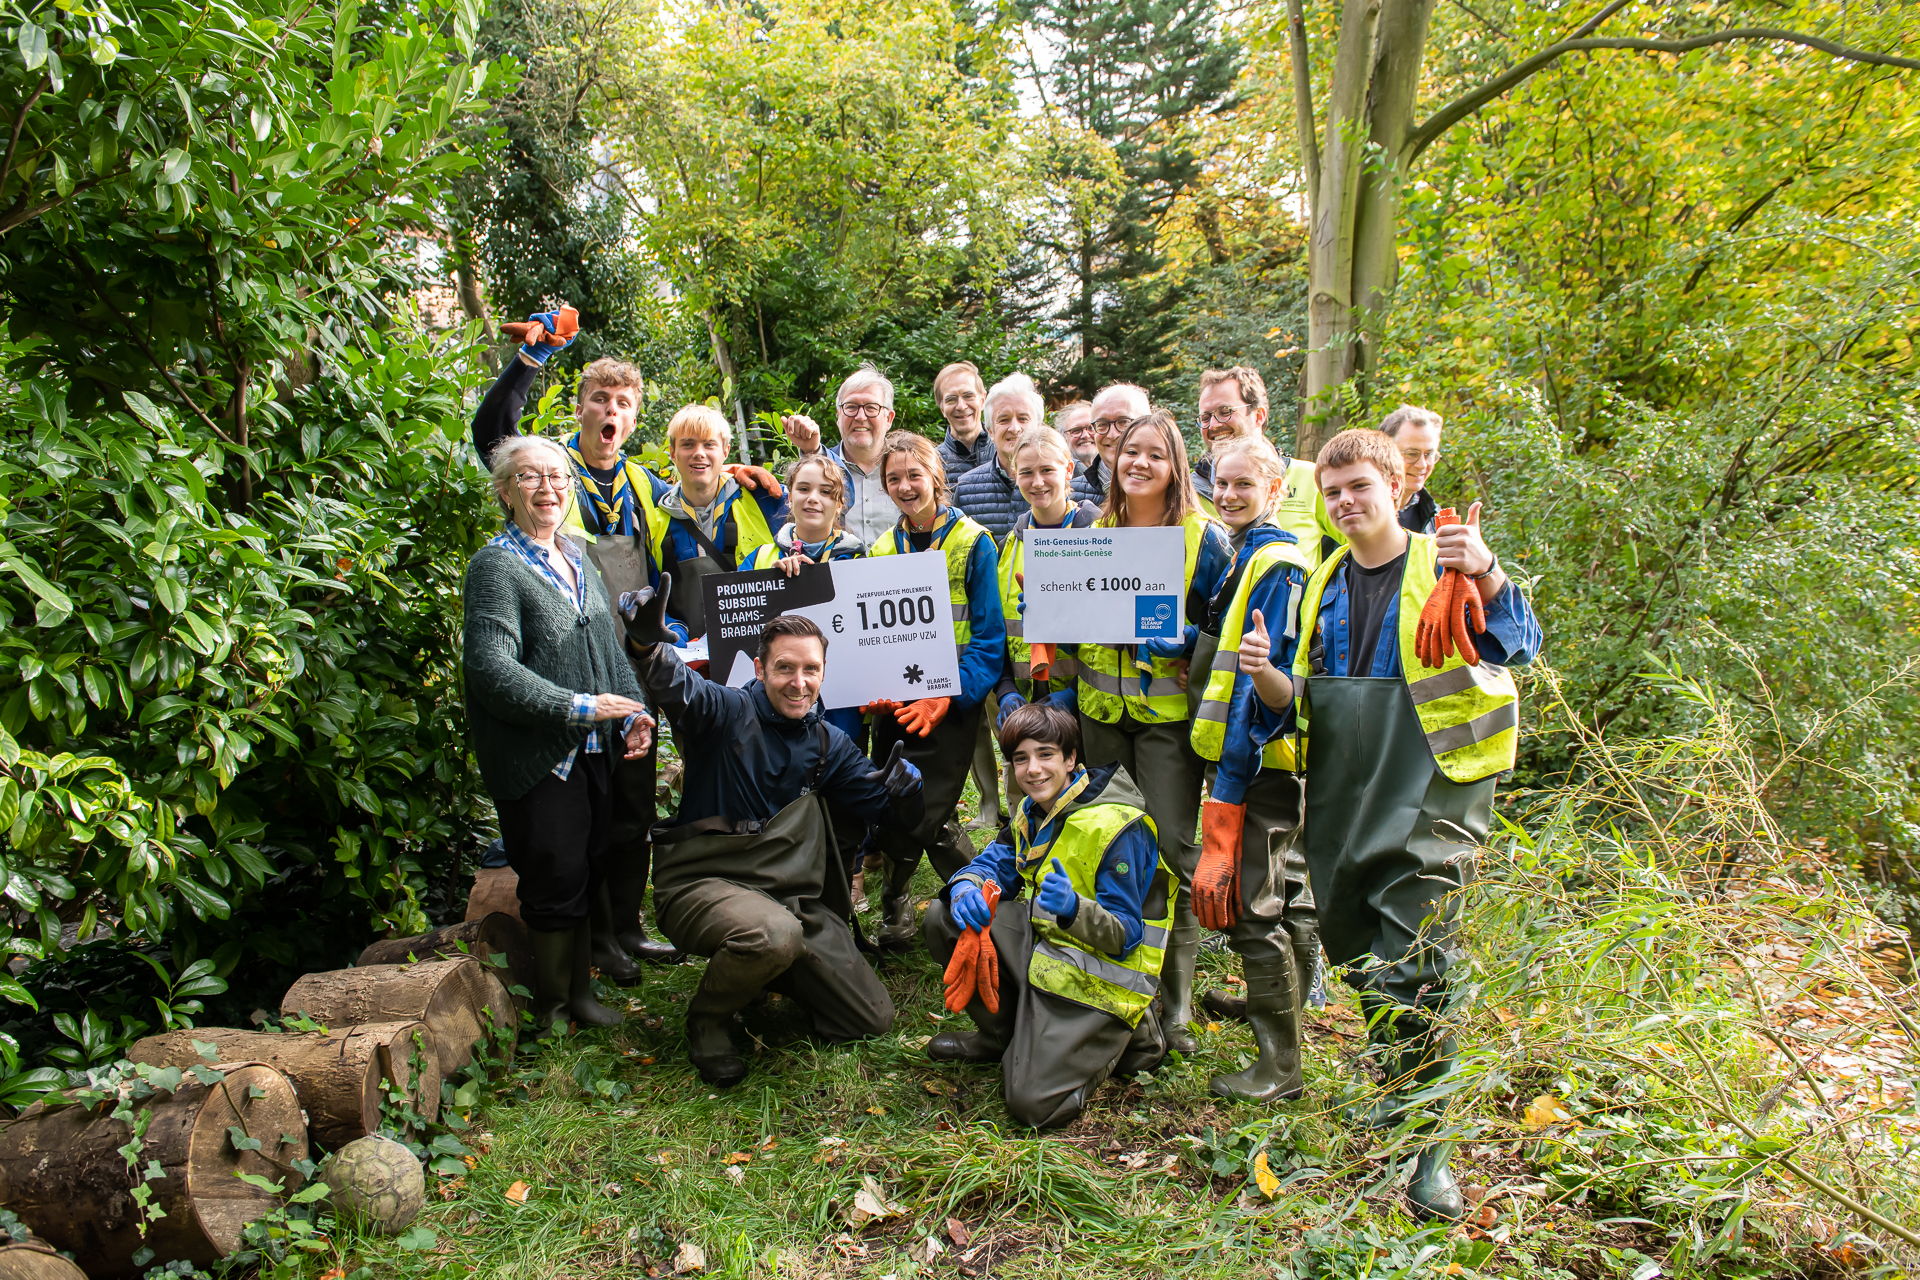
(341, 1076)
(35, 1262)
(62, 1172)
(461, 1003)
(496, 939)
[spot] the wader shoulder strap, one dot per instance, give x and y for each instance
(721, 558)
(821, 742)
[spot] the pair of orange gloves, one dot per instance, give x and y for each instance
(974, 969)
(918, 717)
(1454, 611)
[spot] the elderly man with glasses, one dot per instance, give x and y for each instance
(1114, 409)
(1417, 433)
(864, 406)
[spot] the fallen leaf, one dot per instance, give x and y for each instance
(1545, 1110)
(336, 1274)
(736, 1174)
(770, 1143)
(870, 1203)
(876, 1111)
(926, 1250)
(958, 1233)
(738, 1157)
(1213, 1026)
(1505, 1015)
(688, 1258)
(1263, 1176)
(518, 1192)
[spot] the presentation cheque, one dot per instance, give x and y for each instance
(1103, 586)
(888, 623)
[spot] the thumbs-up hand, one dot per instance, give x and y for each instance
(1256, 647)
(802, 430)
(1460, 546)
(1057, 897)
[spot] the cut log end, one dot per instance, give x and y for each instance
(36, 1262)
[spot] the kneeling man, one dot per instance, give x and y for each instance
(747, 874)
(1078, 942)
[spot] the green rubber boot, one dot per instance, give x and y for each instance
(608, 956)
(1273, 1007)
(899, 925)
(1432, 1193)
(1176, 979)
(581, 1003)
(552, 978)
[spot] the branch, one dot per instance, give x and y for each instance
(1468, 103)
(1303, 100)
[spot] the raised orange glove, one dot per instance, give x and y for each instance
(879, 706)
(566, 325)
(1042, 661)
(974, 969)
(922, 715)
(1452, 612)
(751, 477)
(1216, 880)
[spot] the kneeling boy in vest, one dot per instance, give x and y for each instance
(1077, 936)
(1400, 759)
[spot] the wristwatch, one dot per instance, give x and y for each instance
(1488, 572)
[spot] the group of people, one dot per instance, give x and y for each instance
(1307, 766)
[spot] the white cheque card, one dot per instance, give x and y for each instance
(1104, 586)
(888, 621)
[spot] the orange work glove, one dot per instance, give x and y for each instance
(1451, 613)
(974, 969)
(1042, 661)
(879, 706)
(566, 325)
(751, 477)
(1216, 880)
(920, 717)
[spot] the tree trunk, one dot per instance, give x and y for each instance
(729, 377)
(342, 1076)
(460, 1002)
(62, 1172)
(496, 939)
(35, 1262)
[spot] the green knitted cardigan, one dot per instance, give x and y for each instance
(528, 651)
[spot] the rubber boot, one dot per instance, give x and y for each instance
(581, 1003)
(899, 929)
(1432, 1193)
(985, 771)
(614, 964)
(1303, 935)
(1176, 978)
(713, 1050)
(1224, 1005)
(965, 1046)
(1423, 1055)
(552, 978)
(1146, 1050)
(627, 891)
(1273, 1007)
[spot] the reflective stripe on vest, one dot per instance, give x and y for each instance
(1109, 678)
(1469, 714)
(955, 541)
(1210, 721)
(1066, 967)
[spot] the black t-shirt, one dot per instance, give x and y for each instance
(1368, 592)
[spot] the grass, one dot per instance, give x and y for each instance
(1619, 1113)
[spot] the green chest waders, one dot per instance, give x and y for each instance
(1388, 837)
(715, 882)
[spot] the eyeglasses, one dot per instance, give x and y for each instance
(959, 397)
(864, 410)
(1077, 429)
(1221, 416)
(1110, 426)
(532, 480)
(1415, 457)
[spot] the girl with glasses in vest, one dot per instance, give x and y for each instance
(1252, 883)
(937, 733)
(1053, 938)
(1401, 737)
(1133, 698)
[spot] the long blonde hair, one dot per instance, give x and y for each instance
(1181, 500)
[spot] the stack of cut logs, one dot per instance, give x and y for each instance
(397, 1025)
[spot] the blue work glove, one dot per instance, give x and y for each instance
(1173, 647)
(901, 777)
(1067, 699)
(967, 906)
(1057, 897)
(1008, 705)
(541, 352)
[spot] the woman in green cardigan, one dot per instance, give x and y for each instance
(550, 697)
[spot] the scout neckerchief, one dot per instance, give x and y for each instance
(614, 514)
(901, 541)
(814, 551)
(1025, 851)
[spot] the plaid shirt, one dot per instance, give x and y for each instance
(580, 715)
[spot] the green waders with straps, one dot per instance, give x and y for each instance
(1070, 1014)
(767, 903)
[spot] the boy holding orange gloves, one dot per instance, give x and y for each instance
(1053, 937)
(1407, 717)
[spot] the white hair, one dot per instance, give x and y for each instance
(1015, 386)
(866, 376)
(1138, 403)
(1410, 415)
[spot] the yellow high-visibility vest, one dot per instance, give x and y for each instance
(1109, 680)
(1210, 722)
